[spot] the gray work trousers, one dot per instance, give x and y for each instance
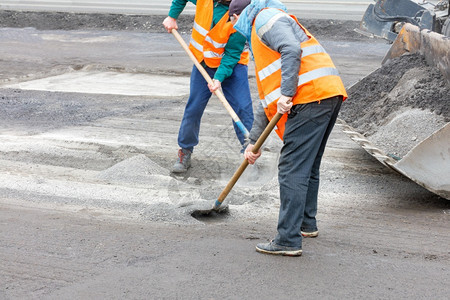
(307, 130)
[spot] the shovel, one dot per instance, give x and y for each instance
(217, 207)
(208, 79)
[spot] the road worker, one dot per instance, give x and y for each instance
(298, 79)
(221, 51)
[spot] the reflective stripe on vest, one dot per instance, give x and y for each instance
(196, 45)
(200, 29)
(318, 78)
(302, 79)
(216, 44)
(219, 46)
(211, 54)
(266, 27)
(208, 45)
(276, 65)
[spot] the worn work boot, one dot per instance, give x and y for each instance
(272, 248)
(183, 162)
(310, 234)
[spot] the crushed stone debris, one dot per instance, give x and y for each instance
(136, 166)
(399, 105)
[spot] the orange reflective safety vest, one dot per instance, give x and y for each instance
(318, 77)
(209, 44)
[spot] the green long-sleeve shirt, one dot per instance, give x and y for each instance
(235, 44)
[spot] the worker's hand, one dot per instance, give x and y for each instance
(170, 23)
(214, 86)
(284, 104)
(250, 156)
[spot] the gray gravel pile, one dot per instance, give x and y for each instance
(399, 105)
(136, 167)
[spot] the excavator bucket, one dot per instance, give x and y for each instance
(433, 46)
(385, 18)
(428, 162)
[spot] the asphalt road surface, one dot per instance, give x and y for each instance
(88, 209)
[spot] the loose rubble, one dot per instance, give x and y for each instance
(399, 105)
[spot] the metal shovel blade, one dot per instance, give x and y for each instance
(218, 207)
(206, 209)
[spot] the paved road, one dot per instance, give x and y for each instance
(87, 210)
(321, 9)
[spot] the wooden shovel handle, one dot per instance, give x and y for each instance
(262, 138)
(208, 79)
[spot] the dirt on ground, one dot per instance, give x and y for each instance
(334, 29)
(400, 104)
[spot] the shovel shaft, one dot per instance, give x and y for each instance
(262, 138)
(208, 79)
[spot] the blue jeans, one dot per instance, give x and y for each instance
(307, 130)
(237, 92)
